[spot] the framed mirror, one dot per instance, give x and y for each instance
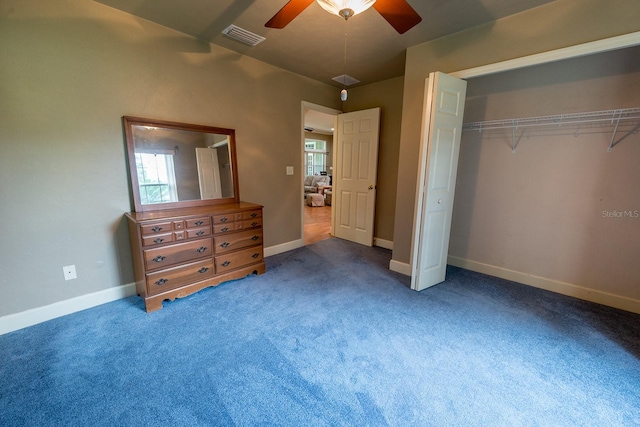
(178, 165)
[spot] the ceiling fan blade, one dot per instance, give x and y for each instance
(289, 11)
(398, 13)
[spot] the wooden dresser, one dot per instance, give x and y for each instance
(177, 252)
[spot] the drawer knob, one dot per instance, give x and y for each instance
(161, 282)
(201, 249)
(203, 270)
(158, 240)
(159, 258)
(199, 222)
(156, 229)
(253, 215)
(225, 244)
(255, 238)
(256, 255)
(226, 263)
(199, 233)
(224, 219)
(253, 224)
(224, 229)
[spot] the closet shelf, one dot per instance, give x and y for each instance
(614, 117)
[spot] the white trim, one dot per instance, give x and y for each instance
(284, 247)
(400, 267)
(13, 322)
(382, 243)
(598, 46)
(564, 288)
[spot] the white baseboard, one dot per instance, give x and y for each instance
(569, 289)
(284, 247)
(400, 267)
(13, 322)
(387, 244)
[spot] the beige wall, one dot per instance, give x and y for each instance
(559, 24)
(69, 71)
(388, 96)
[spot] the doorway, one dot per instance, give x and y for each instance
(317, 171)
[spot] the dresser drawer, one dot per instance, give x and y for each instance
(198, 232)
(223, 219)
(198, 222)
(157, 239)
(157, 228)
(172, 278)
(224, 228)
(238, 259)
(231, 242)
(175, 254)
(249, 223)
(252, 214)
(238, 225)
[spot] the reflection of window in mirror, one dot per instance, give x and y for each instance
(315, 159)
(156, 177)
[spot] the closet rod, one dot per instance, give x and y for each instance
(613, 116)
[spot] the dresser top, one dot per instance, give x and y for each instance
(227, 208)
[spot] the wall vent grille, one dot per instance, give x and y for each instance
(242, 35)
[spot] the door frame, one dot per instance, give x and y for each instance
(305, 106)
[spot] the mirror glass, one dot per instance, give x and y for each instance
(180, 165)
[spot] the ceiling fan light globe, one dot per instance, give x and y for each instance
(345, 8)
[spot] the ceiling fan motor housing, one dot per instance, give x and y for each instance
(345, 8)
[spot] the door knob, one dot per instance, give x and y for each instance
(371, 187)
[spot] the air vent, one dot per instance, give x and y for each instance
(346, 80)
(242, 35)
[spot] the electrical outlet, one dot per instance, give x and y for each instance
(289, 170)
(69, 272)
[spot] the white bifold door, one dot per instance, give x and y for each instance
(439, 149)
(354, 177)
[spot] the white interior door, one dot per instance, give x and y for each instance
(440, 146)
(208, 173)
(354, 178)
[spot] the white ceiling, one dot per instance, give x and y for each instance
(313, 44)
(318, 121)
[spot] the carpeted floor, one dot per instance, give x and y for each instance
(330, 337)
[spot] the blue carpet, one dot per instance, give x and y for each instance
(330, 337)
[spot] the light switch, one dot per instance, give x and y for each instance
(289, 170)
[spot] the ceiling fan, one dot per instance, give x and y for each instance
(398, 13)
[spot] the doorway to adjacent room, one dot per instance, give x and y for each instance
(317, 167)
